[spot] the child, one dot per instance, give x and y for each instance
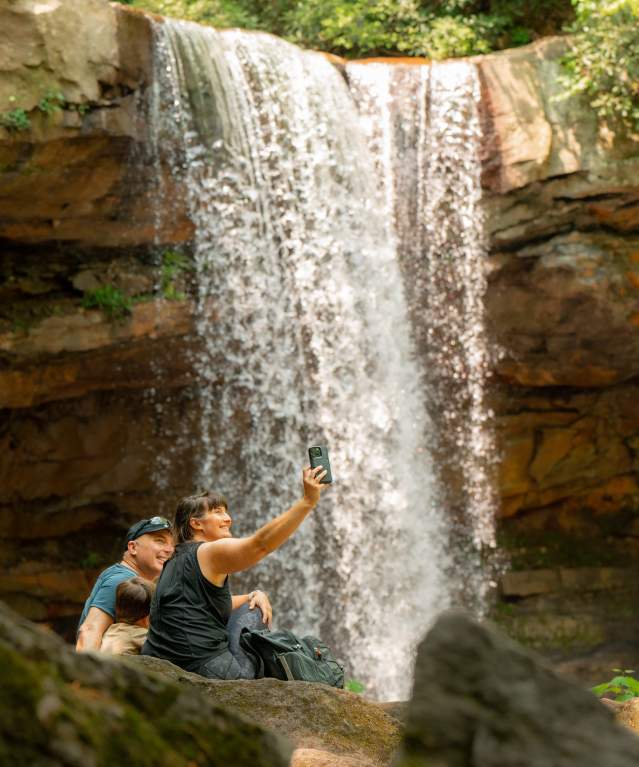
(132, 606)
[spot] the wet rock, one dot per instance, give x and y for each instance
(59, 707)
(480, 700)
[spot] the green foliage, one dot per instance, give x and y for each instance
(109, 299)
(603, 63)
(15, 120)
(619, 688)
(388, 27)
(92, 560)
(373, 27)
(21, 325)
(217, 13)
(51, 102)
(352, 685)
(357, 28)
(449, 36)
(18, 119)
(173, 265)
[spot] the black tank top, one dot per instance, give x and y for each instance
(188, 613)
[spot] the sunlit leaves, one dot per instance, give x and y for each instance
(603, 63)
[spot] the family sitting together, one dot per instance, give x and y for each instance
(169, 596)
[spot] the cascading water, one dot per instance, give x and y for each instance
(423, 126)
(307, 340)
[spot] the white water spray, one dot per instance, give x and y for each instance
(423, 126)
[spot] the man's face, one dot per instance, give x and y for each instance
(151, 551)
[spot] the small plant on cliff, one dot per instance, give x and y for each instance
(173, 265)
(15, 120)
(92, 560)
(620, 688)
(603, 63)
(51, 102)
(110, 300)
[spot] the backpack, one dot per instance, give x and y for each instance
(282, 655)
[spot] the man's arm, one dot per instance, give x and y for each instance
(92, 630)
(231, 555)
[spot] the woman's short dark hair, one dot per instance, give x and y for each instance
(195, 507)
(133, 600)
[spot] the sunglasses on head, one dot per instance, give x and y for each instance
(158, 523)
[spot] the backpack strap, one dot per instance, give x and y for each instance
(286, 667)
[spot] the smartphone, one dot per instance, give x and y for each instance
(318, 456)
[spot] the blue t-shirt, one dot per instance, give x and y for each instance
(103, 593)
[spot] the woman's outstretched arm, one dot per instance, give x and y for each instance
(230, 555)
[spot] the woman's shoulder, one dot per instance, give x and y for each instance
(186, 549)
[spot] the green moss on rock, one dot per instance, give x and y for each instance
(60, 707)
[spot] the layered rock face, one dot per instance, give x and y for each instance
(84, 397)
(563, 215)
(562, 305)
(82, 390)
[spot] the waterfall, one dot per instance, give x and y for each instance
(423, 126)
(305, 323)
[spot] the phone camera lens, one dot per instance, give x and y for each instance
(316, 452)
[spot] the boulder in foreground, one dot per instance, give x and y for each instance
(480, 700)
(62, 708)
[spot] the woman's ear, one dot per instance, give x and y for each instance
(195, 524)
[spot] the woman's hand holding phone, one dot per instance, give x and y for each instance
(312, 479)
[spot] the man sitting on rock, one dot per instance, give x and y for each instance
(149, 543)
(132, 607)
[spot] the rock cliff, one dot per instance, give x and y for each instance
(563, 215)
(83, 396)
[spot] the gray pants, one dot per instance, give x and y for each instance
(234, 663)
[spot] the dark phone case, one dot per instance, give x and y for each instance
(321, 460)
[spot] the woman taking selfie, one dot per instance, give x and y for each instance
(195, 622)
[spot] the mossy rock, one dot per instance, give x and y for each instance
(61, 708)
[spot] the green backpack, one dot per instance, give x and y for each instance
(282, 655)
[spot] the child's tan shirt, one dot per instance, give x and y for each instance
(123, 639)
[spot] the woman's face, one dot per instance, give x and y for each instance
(214, 525)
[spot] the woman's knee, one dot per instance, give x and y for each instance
(254, 619)
(243, 617)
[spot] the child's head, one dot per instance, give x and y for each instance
(133, 601)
